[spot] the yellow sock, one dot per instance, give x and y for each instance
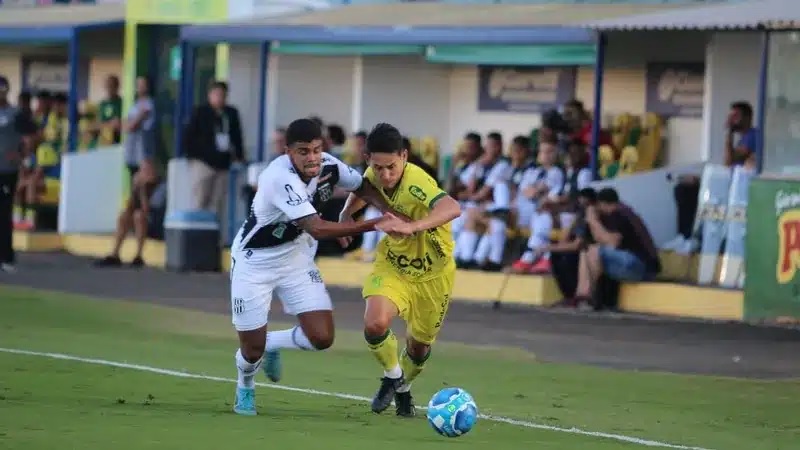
(411, 368)
(384, 349)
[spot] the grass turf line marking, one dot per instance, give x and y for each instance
(507, 420)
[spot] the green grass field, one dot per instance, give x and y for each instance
(48, 403)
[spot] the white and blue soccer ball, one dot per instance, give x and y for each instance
(452, 412)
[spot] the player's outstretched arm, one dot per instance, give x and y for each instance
(443, 211)
(352, 205)
(368, 193)
(322, 229)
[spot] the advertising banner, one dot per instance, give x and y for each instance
(524, 89)
(772, 287)
(675, 89)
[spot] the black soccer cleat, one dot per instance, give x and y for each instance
(404, 404)
(383, 398)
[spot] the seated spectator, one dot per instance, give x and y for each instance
(564, 254)
(46, 160)
(539, 185)
(624, 249)
(489, 194)
(740, 150)
(503, 213)
(578, 176)
(458, 182)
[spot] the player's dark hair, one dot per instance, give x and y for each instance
(473, 137)
(302, 130)
(317, 120)
(361, 134)
(336, 134)
(407, 144)
(385, 138)
(496, 137)
(608, 195)
(745, 108)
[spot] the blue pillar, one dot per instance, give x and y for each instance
(763, 81)
(263, 67)
(73, 59)
(185, 94)
(599, 67)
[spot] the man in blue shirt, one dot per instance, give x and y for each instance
(741, 143)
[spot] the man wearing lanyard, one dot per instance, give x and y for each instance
(213, 143)
(14, 127)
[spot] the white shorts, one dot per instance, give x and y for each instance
(255, 277)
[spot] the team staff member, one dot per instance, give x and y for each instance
(14, 128)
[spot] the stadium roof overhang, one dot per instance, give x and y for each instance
(757, 15)
(56, 24)
(421, 24)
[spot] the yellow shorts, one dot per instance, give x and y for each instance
(422, 305)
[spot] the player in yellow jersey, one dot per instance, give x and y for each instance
(414, 268)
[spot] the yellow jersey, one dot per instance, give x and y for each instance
(426, 254)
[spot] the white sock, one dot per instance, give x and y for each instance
(541, 227)
(482, 252)
(293, 338)
(395, 372)
(527, 257)
(247, 371)
(497, 240)
(465, 245)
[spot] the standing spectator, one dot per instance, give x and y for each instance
(213, 143)
(140, 150)
(740, 150)
(109, 123)
(14, 129)
(624, 249)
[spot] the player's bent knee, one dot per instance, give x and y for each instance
(318, 328)
(252, 343)
(321, 340)
(375, 327)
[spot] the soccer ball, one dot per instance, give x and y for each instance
(452, 412)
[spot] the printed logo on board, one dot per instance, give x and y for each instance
(787, 208)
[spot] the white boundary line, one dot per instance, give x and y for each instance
(175, 373)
